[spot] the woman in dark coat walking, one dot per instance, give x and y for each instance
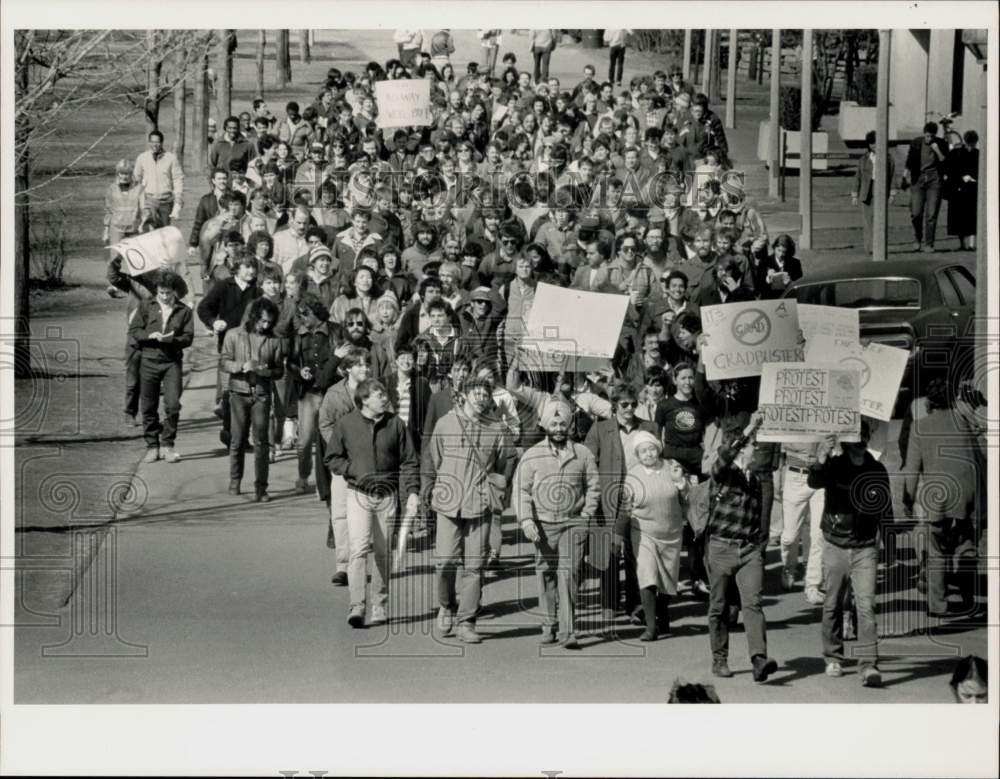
(962, 187)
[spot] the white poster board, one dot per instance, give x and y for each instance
(403, 103)
(880, 369)
(831, 332)
(571, 329)
(160, 248)
(808, 401)
(742, 337)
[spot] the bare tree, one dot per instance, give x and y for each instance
(261, 44)
(282, 61)
(180, 105)
(304, 54)
(227, 47)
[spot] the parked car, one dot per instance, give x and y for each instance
(926, 306)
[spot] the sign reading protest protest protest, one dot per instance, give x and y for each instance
(571, 330)
(156, 249)
(831, 333)
(403, 103)
(742, 337)
(807, 401)
(880, 369)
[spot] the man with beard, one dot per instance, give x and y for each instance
(557, 521)
(479, 325)
(464, 514)
(291, 244)
(425, 249)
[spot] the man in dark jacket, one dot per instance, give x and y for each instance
(858, 502)
(371, 449)
(609, 440)
(232, 146)
(409, 394)
(924, 166)
(208, 206)
(222, 308)
(163, 328)
(479, 325)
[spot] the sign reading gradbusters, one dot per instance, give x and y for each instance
(403, 103)
(807, 401)
(742, 337)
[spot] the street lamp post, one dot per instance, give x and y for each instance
(731, 80)
(805, 143)
(773, 161)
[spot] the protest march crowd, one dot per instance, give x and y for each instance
(379, 267)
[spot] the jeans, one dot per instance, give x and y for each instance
(338, 522)
(495, 535)
(278, 413)
(369, 521)
(854, 569)
(541, 63)
(133, 358)
(559, 552)
(460, 541)
(246, 410)
(617, 60)
(925, 202)
(799, 499)
(155, 376)
(743, 562)
(308, 424)
(164, 206)
(950, 539)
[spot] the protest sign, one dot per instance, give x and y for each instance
(403, 103)
(156, 249)
(744, 336)
(571, 329)
(807, 401)
(880, 369)
(831, 333)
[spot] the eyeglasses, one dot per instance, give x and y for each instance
(508, 241)
(626, 404)
(629, 249)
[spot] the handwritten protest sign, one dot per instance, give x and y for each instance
(807, 401)
(571, 330)
(830, 332)
(742, 337)
(156, 249)
(880, 369)
(403, 103)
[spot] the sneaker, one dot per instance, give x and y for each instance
(378, 616)
(763, 667)
(171, 455)
(225, 438)
(339, 579)
(356, 616)
(446, 621)
(130, 420)
(648, 635)
(569, 641)
(301, 487)
(274, 454)
(814, 596)
(467, 634)
(917, 245)
(152, 455)
(871, 677)
(721, 668)
(234, 486)
(493, 562)
(835, 669)
(262, 497)
(700, 589)
(548, 636)
(217, 410)
(787, 581)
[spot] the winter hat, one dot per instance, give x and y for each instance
(481, 293)
(644, 437)
(319, 251)
(684, 99)
(553, 411)
(388, 299)
(733, 187)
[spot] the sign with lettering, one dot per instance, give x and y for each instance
(742, 337)
(403, 103)
(807, 401)
(881, 370)
(160, 248)
(830, 332)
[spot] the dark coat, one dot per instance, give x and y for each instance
(420, 398)
(604, 441)
(148, 320)
(226, 301)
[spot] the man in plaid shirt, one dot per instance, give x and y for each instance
(737, 537)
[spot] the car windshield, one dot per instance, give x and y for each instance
(878, 292)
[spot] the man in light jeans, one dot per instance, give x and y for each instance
(798, 499)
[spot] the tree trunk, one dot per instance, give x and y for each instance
(180, 107)
(22, 240)
(153, 70)
(304, 54)
(281, 58)
(199, 120)
(261, 44)
(224, 98)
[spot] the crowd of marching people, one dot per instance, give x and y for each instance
(368, 289)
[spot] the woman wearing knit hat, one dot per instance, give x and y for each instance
(654, 488)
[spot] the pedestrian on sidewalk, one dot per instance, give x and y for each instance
(963, 190)
(858, 503)
(802, 515)
(468, 456)
(558, 493)
(490, 40)
(618, 41)
(253, 358)
(542, 43)
(864, 187)
(163, 327)
(123, 202)
(371, 449)
(408, 43)
(737, 538)
(925, 164)
(161, 176)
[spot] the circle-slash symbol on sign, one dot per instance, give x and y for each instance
(859, 365)
(751, 327)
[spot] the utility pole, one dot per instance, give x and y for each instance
(880, 236)
(686, 63)
(773, 157)
(706, 76)
(805, 143)
(734, 50)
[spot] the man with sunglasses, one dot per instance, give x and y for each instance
(611, 441)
